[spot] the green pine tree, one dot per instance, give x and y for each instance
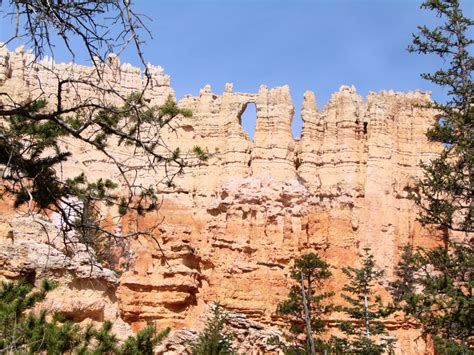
(144, 341)
(365, 330)
(438, 294)
(307, 305)
(214, 339)
(23, 331)
(446, 192)
(435, 287)
(405, 273)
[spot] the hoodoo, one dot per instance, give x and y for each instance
(231, 226)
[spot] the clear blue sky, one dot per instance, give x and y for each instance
(308, 44)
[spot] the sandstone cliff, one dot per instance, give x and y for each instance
(233, 224)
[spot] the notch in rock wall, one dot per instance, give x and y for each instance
(365, 126)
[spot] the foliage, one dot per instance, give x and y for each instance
(36, 135)
(365, 331)
(437, 292)
(435, 287)
(214, 339)
(21, 330)
(15, 298)
(405, 275)
(51, 337)
(33, 177)
(200, 153)
(446, 192)
(309, 272)
(92, 27)
(93, 237)
(144, 341)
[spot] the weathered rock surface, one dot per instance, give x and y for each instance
(33, 250)
(35, 245)
(233, 225)
(249, 337)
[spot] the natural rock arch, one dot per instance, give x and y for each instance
(248, 118)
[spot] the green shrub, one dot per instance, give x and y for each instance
(214, 339)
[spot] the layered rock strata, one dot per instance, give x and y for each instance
(233, 224)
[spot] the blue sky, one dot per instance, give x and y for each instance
(309, 44)
(314, 45)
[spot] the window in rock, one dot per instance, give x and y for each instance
(248, 119)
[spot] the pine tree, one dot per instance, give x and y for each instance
(405, 274)
(435, 286)
(58, 336)
(14, 299)
(307, 304)
(214, 339)
(438, 294)
(29, 332)
(144, 341)
(446, 192)
(365, 330)
(23, 331)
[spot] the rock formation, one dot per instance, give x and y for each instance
(34, 250)
(250, 337)
(233, 224)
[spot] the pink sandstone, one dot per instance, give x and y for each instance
(233, 224)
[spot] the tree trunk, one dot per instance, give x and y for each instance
(366, 307)
(309, 332)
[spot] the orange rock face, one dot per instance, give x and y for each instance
(232, 226)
